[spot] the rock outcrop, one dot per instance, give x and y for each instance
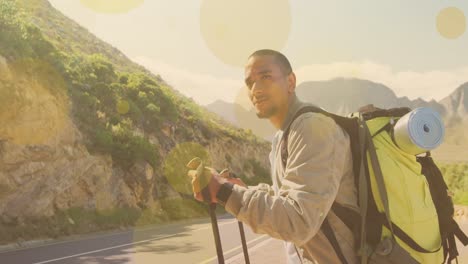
(46, 167)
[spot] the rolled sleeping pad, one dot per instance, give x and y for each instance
(419, 131)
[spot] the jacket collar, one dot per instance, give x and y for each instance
(294, 106)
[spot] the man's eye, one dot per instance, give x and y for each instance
(249, 85)
(265, 77)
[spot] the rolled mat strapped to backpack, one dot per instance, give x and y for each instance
(419, 131)
(407, 212)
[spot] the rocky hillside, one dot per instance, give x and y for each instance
(86, 130)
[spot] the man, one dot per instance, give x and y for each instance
(318, 171)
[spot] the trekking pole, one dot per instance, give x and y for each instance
(226, 174)
(244, 244)
(197, 164)
(217, 238)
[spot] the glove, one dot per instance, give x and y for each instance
(201, 177)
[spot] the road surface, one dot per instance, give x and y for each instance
(183, 242)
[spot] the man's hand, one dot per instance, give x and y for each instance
(213, 187)
(207, 179)
(231, 178)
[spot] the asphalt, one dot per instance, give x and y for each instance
(269, 251)
(177, 243)
(183, 242)
(272, 250)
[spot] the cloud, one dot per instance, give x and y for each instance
(427, 85)
(203, 88)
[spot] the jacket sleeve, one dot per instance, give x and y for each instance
(317, 154)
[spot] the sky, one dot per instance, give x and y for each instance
(417, 48)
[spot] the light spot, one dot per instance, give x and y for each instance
(111, 6)
(354, 72)
(232, 30)
(34, 105)
(175, 169)
(451, 22)
(123, 107)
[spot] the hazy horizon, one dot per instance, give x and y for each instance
(414, 48)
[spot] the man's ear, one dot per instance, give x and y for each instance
(291, 82)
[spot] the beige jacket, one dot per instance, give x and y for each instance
(318, 172)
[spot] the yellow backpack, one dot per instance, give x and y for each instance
(394, 187)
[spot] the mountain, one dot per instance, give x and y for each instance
(90, 140)
(456, 120)
(343, 96)
(241, 117)
(226, 110)
(457, 102)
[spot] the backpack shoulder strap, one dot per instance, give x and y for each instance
(449, 229)
(284, 138)
(349, 124)
(330, 235)
(348, 216)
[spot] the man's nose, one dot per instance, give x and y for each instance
(257, 87)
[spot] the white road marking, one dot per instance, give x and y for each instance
(46, 244)
(124, 245)
(232, 250)
(251, 250)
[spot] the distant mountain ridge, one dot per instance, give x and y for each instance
(456, 104)
(343, 96)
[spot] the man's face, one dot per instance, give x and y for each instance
(269, 87)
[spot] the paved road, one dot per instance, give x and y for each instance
(184, 242)
(463, 259)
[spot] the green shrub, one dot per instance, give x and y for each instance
(456, 177)
(178, 209)
(104, 140)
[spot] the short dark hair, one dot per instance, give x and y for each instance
(279, 57)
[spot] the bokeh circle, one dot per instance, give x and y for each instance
(451, 22)
(111, 6)
(232, 30)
